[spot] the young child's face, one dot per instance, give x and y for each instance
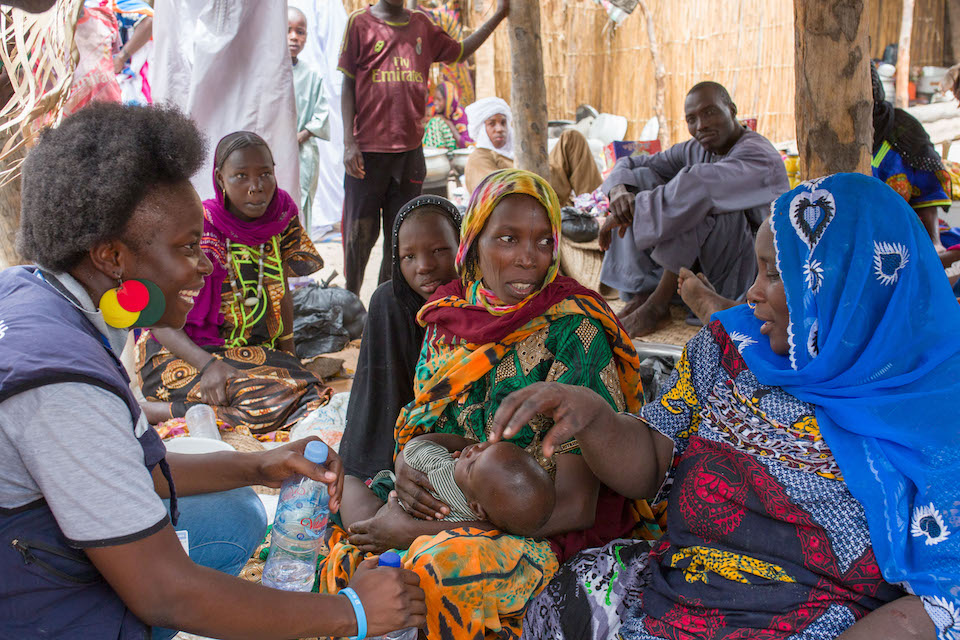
(469, 468)
(427, 250)
(296, 33)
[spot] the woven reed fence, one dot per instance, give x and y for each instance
(927, 45)
(746, 45)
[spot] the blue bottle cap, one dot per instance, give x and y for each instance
(316, 451)
(390, 559)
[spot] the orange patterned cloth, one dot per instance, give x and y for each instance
(477, 582)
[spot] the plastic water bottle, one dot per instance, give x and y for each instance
(202, 422)
(298, 528)
(391, 559)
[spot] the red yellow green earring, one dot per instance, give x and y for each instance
(135, 303)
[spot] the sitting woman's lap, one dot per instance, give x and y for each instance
(474, 580)
(593, 594)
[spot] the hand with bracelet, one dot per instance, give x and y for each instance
(385, 599)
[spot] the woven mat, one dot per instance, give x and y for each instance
(678, 332)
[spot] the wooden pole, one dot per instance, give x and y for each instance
(528, 92)
(659, 75)
(903, 55)
(834, 103)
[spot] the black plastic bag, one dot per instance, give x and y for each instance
(325, 319)
(578, 226)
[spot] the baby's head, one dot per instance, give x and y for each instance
(504, 485)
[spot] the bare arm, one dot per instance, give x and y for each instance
(930, 217)
(622, 451)
(352, 158)
(180, 345)
(224, 470)
(478, 37)
(141, 36)
(178, 595)
(903, 619)
(286, 316)
(577, 490)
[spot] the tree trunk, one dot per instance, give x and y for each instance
(903, 55)
(528, 92)
(834, 104)
(659, 75)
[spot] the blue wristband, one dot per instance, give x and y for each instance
(358, 612)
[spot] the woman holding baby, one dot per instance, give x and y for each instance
(509, 321)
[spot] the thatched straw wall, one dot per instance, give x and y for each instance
(927, 47)
(747, 45)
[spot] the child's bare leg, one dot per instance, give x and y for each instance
(359, 502)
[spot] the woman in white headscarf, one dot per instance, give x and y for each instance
(572, 168)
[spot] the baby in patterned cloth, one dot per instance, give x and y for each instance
(497, 482)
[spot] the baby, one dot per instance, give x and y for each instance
(497, 482)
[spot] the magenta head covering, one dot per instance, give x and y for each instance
(219, 225)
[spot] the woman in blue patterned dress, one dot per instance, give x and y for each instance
(802, 443)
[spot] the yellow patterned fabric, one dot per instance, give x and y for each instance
(698, 562)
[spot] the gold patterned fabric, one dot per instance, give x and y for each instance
(275, 390)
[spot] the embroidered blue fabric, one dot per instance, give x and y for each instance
(874, 346)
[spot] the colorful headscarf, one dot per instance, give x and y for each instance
(469, 330)
(219, 225)
(449, 107)
(486, 197)
(869, 303)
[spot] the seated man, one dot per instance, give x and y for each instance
(494, 482)
(697, 203)
(572, 168)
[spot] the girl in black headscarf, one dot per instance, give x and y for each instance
(426, 234)
(905, 159)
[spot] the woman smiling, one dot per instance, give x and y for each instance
(87, 543)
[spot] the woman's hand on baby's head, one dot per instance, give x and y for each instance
(276, 465)
(571, 408)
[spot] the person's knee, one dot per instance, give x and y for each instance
(234, 523)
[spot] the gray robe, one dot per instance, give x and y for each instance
(312, 115)
(692, 206)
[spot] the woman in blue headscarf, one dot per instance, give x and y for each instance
(805, 446)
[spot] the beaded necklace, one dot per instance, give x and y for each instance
(236, 285)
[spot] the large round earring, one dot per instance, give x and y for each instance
(133, 303)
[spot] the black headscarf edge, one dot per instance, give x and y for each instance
(409, 299)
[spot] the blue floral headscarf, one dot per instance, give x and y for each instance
(874, 340)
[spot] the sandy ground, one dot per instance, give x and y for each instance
(331, 250)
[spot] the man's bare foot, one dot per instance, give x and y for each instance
(700, 296)
(633, 305)
(646, 319)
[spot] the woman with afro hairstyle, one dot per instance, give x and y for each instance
(88, 493)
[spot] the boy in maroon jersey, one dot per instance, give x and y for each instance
(385, 59)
